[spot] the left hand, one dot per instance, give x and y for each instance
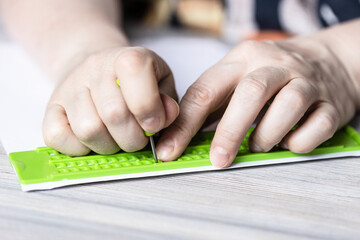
(309, 84)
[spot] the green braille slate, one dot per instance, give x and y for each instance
(46, 165)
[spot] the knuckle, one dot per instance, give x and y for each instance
(98, 63)
(289, 58)
(254, 86)
(200, 95)
(327, 123)
(183, 131)
(140, 49)
(54, 136)
(278, 71)
(263, 141)
(249, 45)
(89, 130)
(294, 97)
(228, 135)
(113, 113)
(132, 58)
(145, 109)
(93, 59)
(313, 92)
(92, 64)
(135, 145)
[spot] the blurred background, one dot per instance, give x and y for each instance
(25, 89)
(200, 30)
(3, 36)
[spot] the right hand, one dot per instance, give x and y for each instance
(301, 80)
(89, 111)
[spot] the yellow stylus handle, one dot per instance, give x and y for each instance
(148, 134)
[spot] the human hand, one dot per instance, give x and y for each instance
(308, 84)
(89, 111)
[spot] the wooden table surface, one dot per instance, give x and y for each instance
(319, 199)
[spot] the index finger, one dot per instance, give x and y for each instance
(206, 95)
(139, 72)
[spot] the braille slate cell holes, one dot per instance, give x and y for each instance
(46, 165)
(197, 151)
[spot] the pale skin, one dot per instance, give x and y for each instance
(313, 80)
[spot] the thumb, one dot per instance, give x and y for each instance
(171, 108)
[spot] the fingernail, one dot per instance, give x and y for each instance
(165, 149)
(151, 125)
(178, 107)
(219, 157)
(255, 148)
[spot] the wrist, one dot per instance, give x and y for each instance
(65, 54)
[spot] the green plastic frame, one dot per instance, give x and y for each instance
(46, 165)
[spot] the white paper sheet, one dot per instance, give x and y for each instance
(24, 90)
